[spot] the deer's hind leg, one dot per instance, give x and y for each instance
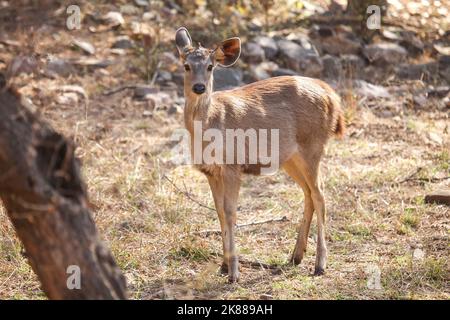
(309, 163)
(294, 171)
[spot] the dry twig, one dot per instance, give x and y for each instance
(186, 193)
(207, 233)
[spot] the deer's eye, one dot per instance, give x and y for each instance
(210, 67)
(186, 67)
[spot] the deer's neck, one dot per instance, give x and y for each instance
(196, 106)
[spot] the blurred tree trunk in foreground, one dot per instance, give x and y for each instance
(358, 8)
(46, 201)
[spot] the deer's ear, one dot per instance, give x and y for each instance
(228, 52)
(183, 40)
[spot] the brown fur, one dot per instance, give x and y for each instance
(307, 113)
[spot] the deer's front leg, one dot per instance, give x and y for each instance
(232, 183)
(217, 190)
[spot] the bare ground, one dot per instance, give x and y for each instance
(375, 182)
(376, 219)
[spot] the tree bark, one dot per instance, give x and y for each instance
(358, 9)
(46, 201)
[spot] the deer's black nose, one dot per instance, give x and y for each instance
(198, 88)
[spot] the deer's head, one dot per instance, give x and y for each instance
(200, 62)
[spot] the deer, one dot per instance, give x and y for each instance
(306, 111)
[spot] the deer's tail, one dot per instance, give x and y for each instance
(338, 119)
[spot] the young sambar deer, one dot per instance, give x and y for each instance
(305, 111)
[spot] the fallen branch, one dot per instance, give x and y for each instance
(260, 265)
(118, 89)
(430, 179)
(411, 177)
(187, 195)
(207, 233)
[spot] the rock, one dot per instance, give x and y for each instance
(70, 94)
(284, 72)
(159, 100)
(424, 71)
(446, 102)
(444, 61)
(141, 91)
(444, 67)
(119, 52)
(352, 64)
(311, 65)
(73, 88)
(114, 19)
(93, 62)
(366, 89)
(23, 64)
(418, 254)
(174, 109)
(123, 42)
(442, 49)
(384, 52)
(257, 72)
(434, 138)
(339, 44)
(150, 16)
(438, 197)
(323, 31)
(302, 40)
(255, 25)
(169, 59)
(67, 98)
(164, 76)
(85, 46)
(269, 66)
(227, 78)
(438, 92)
(386, 114)
(129, 9)
(412, 44)
(269, 46)
(178, 78)
(420, 101)
(2, 80)
(142, 3)
(60, 67)
(253, 53)
(303, 60)
(180, 101)
(391, 34)
(147, 114)
(291, 51)
(141, 28)
(332, 67)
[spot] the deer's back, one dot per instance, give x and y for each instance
(302, 108)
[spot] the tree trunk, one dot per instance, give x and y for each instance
(46, 201)
(358, 9)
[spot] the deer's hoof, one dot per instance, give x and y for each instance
(295, 260)
(233, 278)
(318, 271)
(223, 268)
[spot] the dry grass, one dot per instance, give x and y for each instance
(374, 219)
(151, 227)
